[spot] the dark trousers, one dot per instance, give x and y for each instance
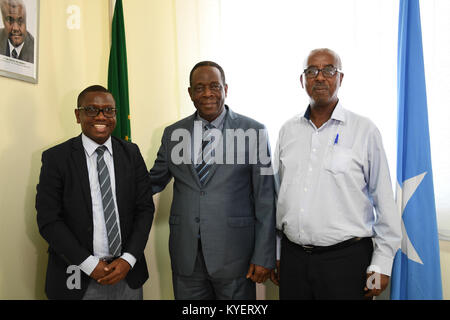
(335, 274)
(201, 286)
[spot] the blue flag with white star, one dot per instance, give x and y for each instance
(416, 273)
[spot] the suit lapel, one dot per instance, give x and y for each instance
(191, 166)
(79, 159)
(8, 51)
(229, 123)
(120, 170)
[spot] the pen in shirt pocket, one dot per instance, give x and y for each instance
(336, 139)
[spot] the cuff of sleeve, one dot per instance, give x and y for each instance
(381, 264)
(278, 247)
(129, 258)
(88, 265)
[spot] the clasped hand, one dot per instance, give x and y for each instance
(112, 273)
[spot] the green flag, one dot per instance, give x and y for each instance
(118, 74)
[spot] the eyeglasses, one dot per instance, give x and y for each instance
(11, 20)
(90, 111)
(216, 87)
(327, 72)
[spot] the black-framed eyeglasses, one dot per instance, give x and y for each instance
(327, 72)
(91, 111)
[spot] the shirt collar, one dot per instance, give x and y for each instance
(90, 145)
(217, 122)
(18, 49)
(338, 113)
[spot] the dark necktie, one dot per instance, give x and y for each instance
(14, 54)
(207, 154)
(109, 209)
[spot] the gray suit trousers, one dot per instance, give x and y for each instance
(118, 291)
(201, 286)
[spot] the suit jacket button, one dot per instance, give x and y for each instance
(202, 193)
(197, 219)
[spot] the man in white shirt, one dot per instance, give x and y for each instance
(332, 174)
(94, 208)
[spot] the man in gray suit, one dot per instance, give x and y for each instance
(15, 41)
(222, 232)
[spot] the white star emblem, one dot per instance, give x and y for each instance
(403, 196)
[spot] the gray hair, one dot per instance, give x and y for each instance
(324, 50)
(12, 3)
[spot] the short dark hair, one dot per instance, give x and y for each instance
(94, 88)
(207, 64)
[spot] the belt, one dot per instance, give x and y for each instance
(320, 249)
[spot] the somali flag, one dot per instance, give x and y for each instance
(416, 272)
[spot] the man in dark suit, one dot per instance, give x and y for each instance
(222, 221)
(15, 41)
(94, 208)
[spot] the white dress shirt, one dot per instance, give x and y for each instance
(330, 180)
(101, 247)
(18, 49)
(217, 123)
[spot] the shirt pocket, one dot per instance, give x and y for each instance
(338, 160)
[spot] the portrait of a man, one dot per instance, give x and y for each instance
(15, 41)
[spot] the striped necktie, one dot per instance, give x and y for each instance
(109, 209)
(207, 154)
(14, 54)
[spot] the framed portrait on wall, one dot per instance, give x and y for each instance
(19, 39)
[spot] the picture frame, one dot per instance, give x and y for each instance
(19, 39)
